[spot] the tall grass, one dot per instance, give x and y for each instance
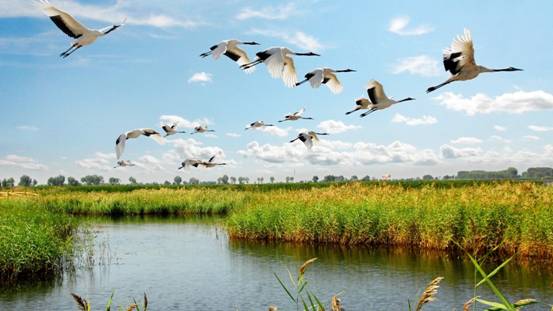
(519, 216)
(144, 202)
(34, 242)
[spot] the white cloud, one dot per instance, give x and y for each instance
(532, 137)
(466, 141)
(421, 65)
(201, 77)
(336, 127)
(499, 128)
(538, 128)
(29, 128)
(330, 152)
(399, 25)
(424, 120)
(297, 38)
(516, 102)
(182, 122)
(100, 161)
(149, 162)
(22, 162)
(233, 135)
(191, 149)
(450, 152)
(269, 12)
(116, 13)
(273, 130)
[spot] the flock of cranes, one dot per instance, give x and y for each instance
(458, 60)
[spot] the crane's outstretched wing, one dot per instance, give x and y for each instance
(65, 22)
(375, 91)
(317, 79)
(240, 57)
(120, 145)
(333, 83)
(460, 53)
(275, 64)
(289, 72)
(211, 159)
(219, 50)
(300, 112)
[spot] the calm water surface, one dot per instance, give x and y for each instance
(191, 265)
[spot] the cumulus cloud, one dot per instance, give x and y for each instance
(21, 162)
(424, 120)
(466, 141)
(201, 77)
(297, 38)
(182, 122)
(450, 152)
(399, 26)
(330, 152)
(101, 161)
(499, 128)
(516, 102)
(421, 65)
(149, 162)
(272, 130)
(28, 128)
(269, 12)
(109, 14)
(538, 128)
(336, 127)
(191, 149)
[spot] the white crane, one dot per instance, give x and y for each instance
(71, 27)
(230, 49)
(122, 139)
(377, 99)
(307, 138)
(190, 162)
(459, 61)
(258, 124)
(124, 163)
(279, 63)
(325, 76)
(201, 129)
(210, 163)
(296, 116)
(171, 130)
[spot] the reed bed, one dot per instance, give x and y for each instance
(515, 217)
(34, 242)
(144, 202)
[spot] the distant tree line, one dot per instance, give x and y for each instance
(511, 173)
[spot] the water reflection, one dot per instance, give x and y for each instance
(189, 264)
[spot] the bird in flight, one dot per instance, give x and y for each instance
(190, 162)
(279, 62)
(325, 76)
(171, 130)
(296, 116)
(377, 99)
(201, 129)
(230, 49)
(459, 61)
(70, 26)
(308, 138)
(210, 163)
(258, 124)
(122, 139)
(124, 163)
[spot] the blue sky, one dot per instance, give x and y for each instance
(61, 116)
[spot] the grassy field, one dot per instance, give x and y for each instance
(34, 242)
(517, 217)
(36, 231)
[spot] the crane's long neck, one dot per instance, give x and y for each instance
(483, 69)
